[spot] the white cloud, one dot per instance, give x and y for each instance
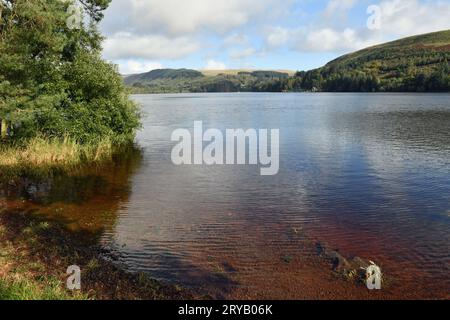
(161, 30)
(132, 66)
(277, 37)
(338, 7)
(125, 45)
(410, 17)
(328, 39)
(236, 40)
(215, 65)
(242, 54)
(399, 18)
(180, 17)
(172, 29)
(320, 40)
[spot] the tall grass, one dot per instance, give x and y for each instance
(44, 155)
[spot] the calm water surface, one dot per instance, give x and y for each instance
(368, 174)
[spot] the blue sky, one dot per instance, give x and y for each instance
(142, 35)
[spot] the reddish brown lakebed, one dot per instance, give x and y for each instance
(366, 175)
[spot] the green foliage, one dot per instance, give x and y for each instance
(268, 74)
(53, 81)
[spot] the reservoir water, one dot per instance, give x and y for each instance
(366, 174)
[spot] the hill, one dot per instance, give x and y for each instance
(162, 74)
(414, 64)
(235, 72)
(185, 80)
(419, 63)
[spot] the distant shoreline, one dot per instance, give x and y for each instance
(295, 92)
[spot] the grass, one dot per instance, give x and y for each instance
(21, 288)
(22, 279)
(44, 155)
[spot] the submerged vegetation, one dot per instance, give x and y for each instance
(60, 103)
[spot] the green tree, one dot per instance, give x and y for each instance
(53, 81)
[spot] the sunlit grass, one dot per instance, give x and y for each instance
(42, 155)
(21, 288)
(25, 279)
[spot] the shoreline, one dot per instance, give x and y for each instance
(291, 92)
(44, 157)
(36, 253)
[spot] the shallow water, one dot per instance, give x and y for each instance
(368, 174)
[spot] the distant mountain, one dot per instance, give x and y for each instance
(185, 80)
(162, 74)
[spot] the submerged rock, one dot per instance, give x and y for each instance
(334, 257)
(352, 269)
(359, 263)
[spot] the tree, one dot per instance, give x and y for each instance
(53, 81)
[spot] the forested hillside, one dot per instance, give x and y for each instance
(419, 63)
(414, 64)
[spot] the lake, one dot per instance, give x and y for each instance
(366, 174)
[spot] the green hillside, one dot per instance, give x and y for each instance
(419, 63)
(414, 64)
(185, 80)
(162, 74)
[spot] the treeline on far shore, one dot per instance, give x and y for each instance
(408, 78)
